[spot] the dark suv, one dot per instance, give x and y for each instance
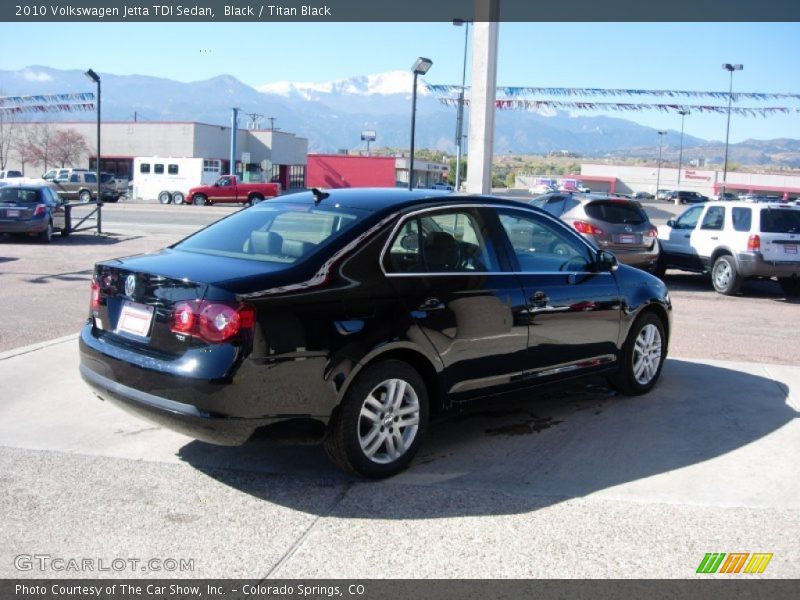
(82, 186)
(684, 197)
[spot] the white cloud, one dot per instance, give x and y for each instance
(37, 76)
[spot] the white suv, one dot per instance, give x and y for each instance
(734, 240)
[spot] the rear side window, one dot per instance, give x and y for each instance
(780, 220)
(616, 212)
(714, 218)
(273, 232)
(742, 218)
(90, 178)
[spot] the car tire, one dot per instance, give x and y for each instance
(254, 199)
(178, 198)
(164, 197)
(643, 356)
(378, 427)
(724, 276)
(47, 235)
(790, 285)
(199, 200)
(85, 196)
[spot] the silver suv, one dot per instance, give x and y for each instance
(735, 240)
(610, 222)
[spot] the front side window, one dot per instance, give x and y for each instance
(689, 219)
(714, 218)
(544, 247)
(442, 242)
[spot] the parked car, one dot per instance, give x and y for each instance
(612, 223)
(228, 189)
(6, 174)
(33, 209)
(442, 185)
(367, 311)
(643, 196)
(81, 185)
(685, 197)
(734, 241)
(663, 194)
(540, 188)
(727, 196)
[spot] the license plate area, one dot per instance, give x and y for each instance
(135, 320)
(790, 249)
(625, 238)
(10, 212)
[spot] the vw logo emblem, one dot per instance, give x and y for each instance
(130, 285)
(628, 228)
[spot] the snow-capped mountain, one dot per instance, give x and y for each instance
(384, 84)
(333, 114)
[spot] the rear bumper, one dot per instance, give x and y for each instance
(216, 396)
(636, 257)
(180, 417)
(752, 264)
(29, 226)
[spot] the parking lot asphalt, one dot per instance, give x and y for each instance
(578, 483)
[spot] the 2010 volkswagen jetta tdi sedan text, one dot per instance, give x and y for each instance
(365, 310)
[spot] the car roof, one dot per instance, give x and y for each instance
(33, 185)
(384, 199)
(745, 203)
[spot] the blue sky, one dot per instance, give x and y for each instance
(610, 55)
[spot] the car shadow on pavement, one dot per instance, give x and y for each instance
(678, 281)
(532, 450)
(74, 239)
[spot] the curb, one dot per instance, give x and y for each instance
(37, 346)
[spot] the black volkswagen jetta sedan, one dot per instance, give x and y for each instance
(366, 310)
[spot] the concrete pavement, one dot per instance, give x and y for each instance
(577, 484)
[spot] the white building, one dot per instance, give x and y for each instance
(120, 142)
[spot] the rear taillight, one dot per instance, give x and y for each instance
(653, 233)
(587, 228)
(94, 301)
(754, 243)
(213, 322)
(40, 210)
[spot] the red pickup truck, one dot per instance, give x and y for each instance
(227, 189)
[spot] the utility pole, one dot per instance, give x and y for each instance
(254, 119)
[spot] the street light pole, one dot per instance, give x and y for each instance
(92, 76)
(730, 68)
(683, 114)
(661, 135)
(460, 112)
(420, 67)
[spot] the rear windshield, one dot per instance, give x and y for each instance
(17, 195)
(780, 220)
(275, 232)
(617, 212)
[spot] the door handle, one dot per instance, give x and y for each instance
(431, 304)
(715, 237)
(686, 235)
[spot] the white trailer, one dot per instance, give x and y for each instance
(167, 179)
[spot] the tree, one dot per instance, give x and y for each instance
(22, 147)
(40, 142)
(68, 147)
(7, 133)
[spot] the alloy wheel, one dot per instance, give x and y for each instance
(647, 354)
(388, 421)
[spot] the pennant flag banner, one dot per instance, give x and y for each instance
(47, 108)
(47, 99)
(533, 105)
(515, 92)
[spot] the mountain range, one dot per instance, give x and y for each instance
(332, 115)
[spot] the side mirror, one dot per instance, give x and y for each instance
(671, 223)
(607, 261)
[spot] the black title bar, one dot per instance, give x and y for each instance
(277, 11)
